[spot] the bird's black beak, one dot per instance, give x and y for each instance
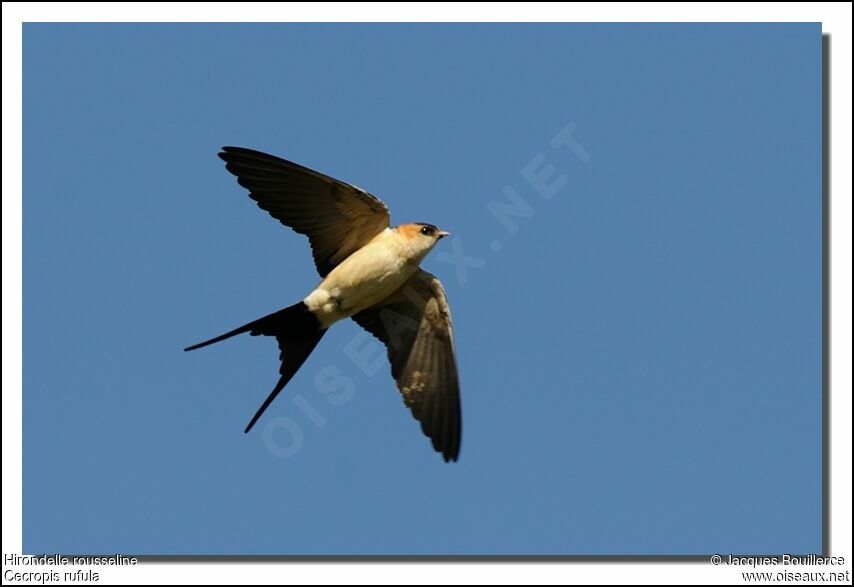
(443, 234)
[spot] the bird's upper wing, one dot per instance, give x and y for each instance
(415, 325)
(338, 218)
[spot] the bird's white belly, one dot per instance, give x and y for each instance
(362, 280)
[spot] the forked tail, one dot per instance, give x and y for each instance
(297, 331)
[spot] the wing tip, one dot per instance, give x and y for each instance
(450, 453)
(227, 153)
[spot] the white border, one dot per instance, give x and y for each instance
(836, 19)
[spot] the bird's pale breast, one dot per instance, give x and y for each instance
(364, 279)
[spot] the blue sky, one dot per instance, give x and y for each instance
(639, 347)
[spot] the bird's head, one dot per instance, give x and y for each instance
(421, 237)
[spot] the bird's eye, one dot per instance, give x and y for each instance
(426, 230)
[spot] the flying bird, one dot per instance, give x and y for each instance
(370, 272)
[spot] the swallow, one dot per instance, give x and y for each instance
(370, 272)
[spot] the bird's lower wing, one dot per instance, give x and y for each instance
(415, 325)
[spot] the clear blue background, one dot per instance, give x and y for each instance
(640, 361)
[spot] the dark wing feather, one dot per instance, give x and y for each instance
(338, 218)
(415, 325)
